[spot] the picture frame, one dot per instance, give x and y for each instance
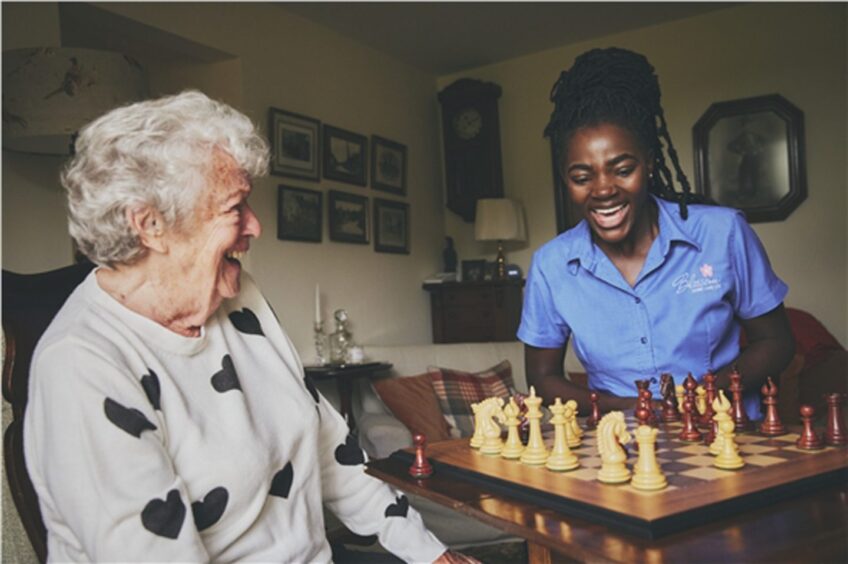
(299, 214)
(473, 270)
(348, 217)
(749, 155)
(295, 144)
(388, 165)
(391, 226)
(345, 156)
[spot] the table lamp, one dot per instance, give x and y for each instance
(500, 219)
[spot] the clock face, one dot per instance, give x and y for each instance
(467, 123)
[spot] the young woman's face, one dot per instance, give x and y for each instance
(606, 171)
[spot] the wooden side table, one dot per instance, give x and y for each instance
(344, 375)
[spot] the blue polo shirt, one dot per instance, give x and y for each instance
(680, 316)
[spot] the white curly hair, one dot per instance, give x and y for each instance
(156, 153)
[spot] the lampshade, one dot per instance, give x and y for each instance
(499, 219)
(50, 93)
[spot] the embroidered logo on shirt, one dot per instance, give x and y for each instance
(691, 282)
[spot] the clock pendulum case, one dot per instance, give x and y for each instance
(472, 144)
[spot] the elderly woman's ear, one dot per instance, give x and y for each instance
(149, 225)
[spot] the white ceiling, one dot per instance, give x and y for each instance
(446, 37)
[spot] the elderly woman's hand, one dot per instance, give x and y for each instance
(451, 557)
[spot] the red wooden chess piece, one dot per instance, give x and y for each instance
(835, 433)
(737, 410)
(421, 467)
(595, 416)
(808, 440)
(771, 425)
(652, 418)
(642, 411)
(670, 412)
(689, 394)
(710, 389)
(690, 432)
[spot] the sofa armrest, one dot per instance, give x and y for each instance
(381, 434)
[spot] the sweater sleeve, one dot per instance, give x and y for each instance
(96, 454)
(363, 503)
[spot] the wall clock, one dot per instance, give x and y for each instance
(472, 144)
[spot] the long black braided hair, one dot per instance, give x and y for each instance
(620, 87)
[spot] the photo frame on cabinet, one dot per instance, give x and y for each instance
(391, 226)
(473, 270)
(348, 215)
(388, 165)
(299, 214)
(295, 144)
(345, 156)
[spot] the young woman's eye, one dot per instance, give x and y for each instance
(579, 180)
(624, 172)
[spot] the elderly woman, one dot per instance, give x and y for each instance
(168, 416)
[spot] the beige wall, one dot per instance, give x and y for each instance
(796, 50)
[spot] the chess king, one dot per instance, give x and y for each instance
(653, 280)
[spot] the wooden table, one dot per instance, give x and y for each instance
(811, 528)
(344, 375)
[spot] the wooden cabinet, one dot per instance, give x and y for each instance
(475, 311)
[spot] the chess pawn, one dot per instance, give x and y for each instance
(771, 425)
(421, 467)
(721, 406)
(561, 458)
(835, 432)
(535, 453)
(701, 400)
(595, 416)
(513, 448)
(646, 472)
(740, 418)
(690, 432)
(575, 427)
(728, 458)
(477, 437)
(612, 434)
(809, 439)
(680, 394)
(710, 389)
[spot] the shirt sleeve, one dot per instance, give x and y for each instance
(95, 452)
(541, 325)
(758, 289)
(364, 504)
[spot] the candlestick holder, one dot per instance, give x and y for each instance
(320, 343)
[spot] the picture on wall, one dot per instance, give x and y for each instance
(388, 165)
(345, 156)
(391, 226)
(348, 215)
(298, 214)
(295, 150)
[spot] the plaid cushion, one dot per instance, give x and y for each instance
(457, 390)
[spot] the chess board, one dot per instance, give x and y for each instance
(697, 491)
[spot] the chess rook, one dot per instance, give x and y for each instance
(835, 432)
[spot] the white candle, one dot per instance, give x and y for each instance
(317, 304)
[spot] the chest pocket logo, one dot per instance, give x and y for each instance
(703, 281)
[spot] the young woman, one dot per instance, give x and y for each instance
(650, 281)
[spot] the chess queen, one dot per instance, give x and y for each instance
(652, 280)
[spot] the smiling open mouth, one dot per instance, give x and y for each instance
(609, 217)
(235, 256)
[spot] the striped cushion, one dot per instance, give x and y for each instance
(457, 390)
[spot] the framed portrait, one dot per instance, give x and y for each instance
(348, 215)
(345, 156)
(473, 270)
(388, 165)
(749, 154)
(295, 149)
(391, 226)
(298, 214)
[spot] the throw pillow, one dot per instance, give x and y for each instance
(412, 401)
(457, 390)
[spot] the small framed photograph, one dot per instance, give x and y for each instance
(348, 215)
(345, 156)
(473, 270)
(391, 226)
(388, 165)
(295, 149)
(749, 155)
(299, 214)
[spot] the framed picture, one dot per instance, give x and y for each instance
(298, 214)
(348, 215)
(749, 154)
(388, 165)
(391, 226)
(295, 150)
(473, 270)
(345, 156)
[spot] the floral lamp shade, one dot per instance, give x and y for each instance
(50, 93)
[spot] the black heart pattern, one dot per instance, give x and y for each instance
(226, 379)
(282, 482)
(246, 322)
(150, 383)
(127, 419)
(310, 385)
(399, 508)
(208, 510)
(349, 453)
(164, 518)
